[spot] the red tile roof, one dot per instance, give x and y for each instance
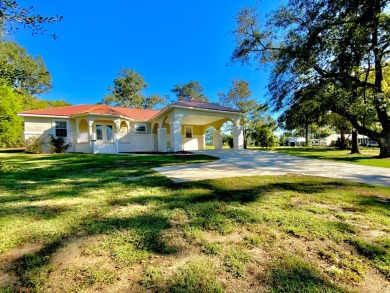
(100, 109)
(132, 113)
(59, 111)
(204, 105)
(138, 114)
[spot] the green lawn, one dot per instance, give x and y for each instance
(367, 156)
(86, 223)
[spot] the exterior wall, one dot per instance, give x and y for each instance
(37, 126)
(148, 128)
(168, 128)
(295, 141)
(318, 142)
(83, 148)
(42, 127)
(137, 143)
(195, 143)
(72, 135)
(82, 136)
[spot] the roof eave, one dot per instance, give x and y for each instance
(109, 115)
(166, 109)
(98, 114)
(208, 110)
(42, 115)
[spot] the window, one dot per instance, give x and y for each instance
(188, 131)
(99, 132)
(109, 132)
(140, 128)
(61, 129)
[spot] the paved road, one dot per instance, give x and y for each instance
(247, 163)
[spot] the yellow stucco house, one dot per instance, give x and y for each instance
(181, 126)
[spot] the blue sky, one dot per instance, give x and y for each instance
(167, 42)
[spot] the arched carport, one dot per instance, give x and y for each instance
(182, 126)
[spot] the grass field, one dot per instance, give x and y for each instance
(87, 223)
(367, 156)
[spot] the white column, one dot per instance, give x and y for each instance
(162, 140)
(91, 136)
(77, 129)
(238, 137)
(117, 125)
(217, 140)
(176, 140)
(202, 144)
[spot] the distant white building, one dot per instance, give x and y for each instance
(332, 139)
(295, 141)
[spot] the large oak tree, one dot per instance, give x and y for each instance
(22, 71)
(127, 91)
(239, 97)
(13, 15)
(334, 51)
(189, 90)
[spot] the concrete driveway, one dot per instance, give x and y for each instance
(248, 163)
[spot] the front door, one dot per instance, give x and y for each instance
(104, 133)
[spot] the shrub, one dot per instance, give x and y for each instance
(35, 145)
(230, 142)
(58, 144)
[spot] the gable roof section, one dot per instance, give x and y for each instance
(100, 110)
(204, 105)
(67, 111)
(138, 114)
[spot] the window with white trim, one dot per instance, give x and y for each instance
(99, 132)
(109, 132)
(140, 128)
(188, 131)
(61, 129)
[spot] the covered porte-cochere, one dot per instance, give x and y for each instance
(183, 125)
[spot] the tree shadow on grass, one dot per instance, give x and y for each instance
(293, 274)
(64, 166)
(147, 236)
(34, 212)
(209, 201)
(148, 227)
(354, 158)
(373, 203)
(11, 151)
(213, 191)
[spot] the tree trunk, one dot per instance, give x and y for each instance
(355, 145)
(384, 144)
(342, 145)
(244, 134)
(307, 135)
